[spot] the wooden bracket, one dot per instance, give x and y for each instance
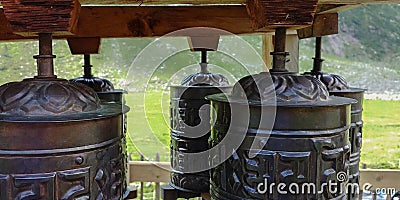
(201, 43)
(324, 24)
(30, 17)
(84, 45)
(281, 13)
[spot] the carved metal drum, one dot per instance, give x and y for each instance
(58, 141)
(337, 86)
(190, 126)
(305, 150)
(355, 129)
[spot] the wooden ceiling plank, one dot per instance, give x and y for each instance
(41, 16)
(154, 21)
(219, 2)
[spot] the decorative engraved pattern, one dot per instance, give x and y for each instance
(34, 186)
(194, 182)
(4, 192)
(46, 97)
(101, 181)
(333, 159)
(287, 88)
(82, 183)
(205, 78)
(77, 182)
(332, 81)
(116, 178)
(98, 84)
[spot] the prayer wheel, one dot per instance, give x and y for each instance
(190, 126)
(337, 86)
(303, 152)
(58, 140)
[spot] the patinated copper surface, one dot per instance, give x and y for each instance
(97, 84)
(46, 97)
(58, 140)
(188, 103)
(338, 86)
(301, 148)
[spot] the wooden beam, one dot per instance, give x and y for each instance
(151, 21)
(220, 2)
(143, 171)
(324, 24)
(217, 2)
(30, 17)
(281, 13)
(380, 178)
(335, 8)
(359, 1)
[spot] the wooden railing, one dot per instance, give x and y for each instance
(159, 172)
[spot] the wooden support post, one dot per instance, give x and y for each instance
(292, 46)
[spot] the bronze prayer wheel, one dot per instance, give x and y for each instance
(190, 126)
(307, 143)
(337, 86)
(59, 142)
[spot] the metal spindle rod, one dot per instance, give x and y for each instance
(279, 54)
(203, 64)
(317, 65)
(87, 67)
(45, 58)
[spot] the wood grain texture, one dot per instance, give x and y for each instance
(149, 21)
(197, 2)
(29, 17)
(324, 24)
(281, 13)
(84, 45)
(219, 2)
(144, 171)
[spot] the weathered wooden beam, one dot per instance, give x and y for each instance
(281, 13)
(197, 2)
(359, 1)
(380, 178)
(84, 45)
(218, 2)
(150, 21)
(335, 8)
(144, 171)
(30, 17)
(324, 24)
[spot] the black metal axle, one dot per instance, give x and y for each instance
(279, 54)
(317, 65)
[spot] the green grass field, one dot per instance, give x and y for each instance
(148, 123)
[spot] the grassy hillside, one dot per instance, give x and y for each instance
(367, 33)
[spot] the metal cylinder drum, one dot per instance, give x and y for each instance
(58, 141)
(337, 86)
(304, 150)
(189, 109)
(355, 133)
